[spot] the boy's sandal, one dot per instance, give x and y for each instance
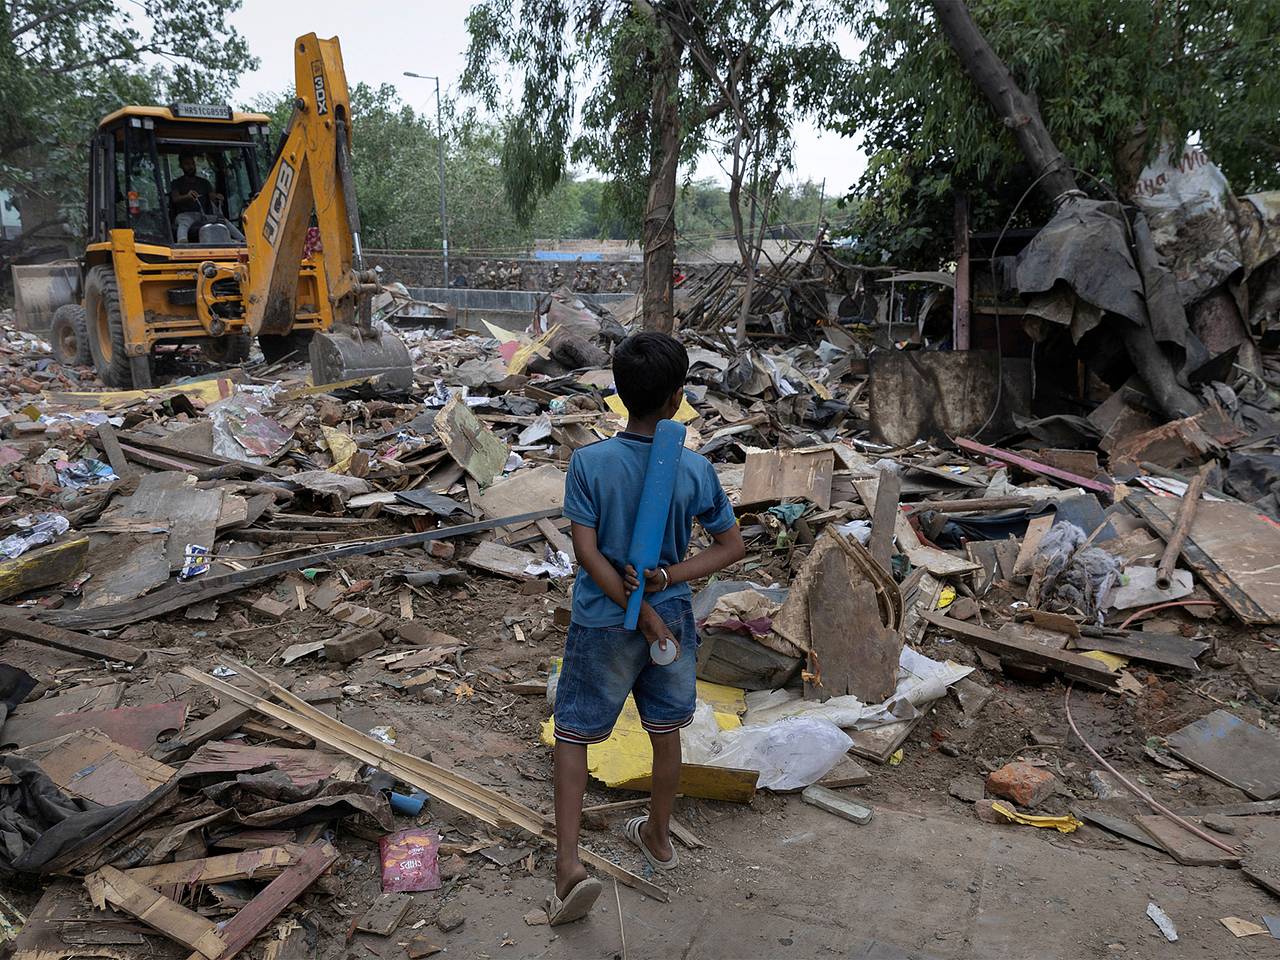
(632, 831)
(576, 905)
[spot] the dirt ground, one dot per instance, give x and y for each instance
(777, 878)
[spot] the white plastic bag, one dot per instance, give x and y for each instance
(790, 753)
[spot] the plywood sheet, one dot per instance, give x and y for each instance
(852, 651)
(89, 764)
(1242, 547)
(773, 475)
(523, 492)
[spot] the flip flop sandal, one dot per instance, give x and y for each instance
(576, 905)
(632, 831)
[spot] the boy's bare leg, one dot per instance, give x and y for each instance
(570, 787)
(662, 797)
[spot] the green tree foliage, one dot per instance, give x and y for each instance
(66, 63)
(1108, 74)
(775, 56)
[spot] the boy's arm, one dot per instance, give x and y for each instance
(726, 549)
(608, 579)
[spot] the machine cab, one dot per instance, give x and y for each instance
(177, 176)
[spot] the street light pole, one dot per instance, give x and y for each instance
(444, 206)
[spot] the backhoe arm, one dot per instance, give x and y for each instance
(311, 172)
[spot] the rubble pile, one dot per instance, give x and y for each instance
(280, 656)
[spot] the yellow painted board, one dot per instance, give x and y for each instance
(685, 414)
(627, 756)
(207, 391)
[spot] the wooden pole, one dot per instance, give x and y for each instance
(1181, 527)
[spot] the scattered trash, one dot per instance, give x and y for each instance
(1161, 920)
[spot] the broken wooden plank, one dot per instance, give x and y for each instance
(87, 763)
(111, 886)
(110, 445)
(883, 521)
(440, 782)
(851, 651)
(47, 635)
(44, 566)
(847, 773)
(138, 727)
(538, 489)
(474, 446)
(386, 914)
(770, 476)
(937, 562)
(244, 927)
(1036, 529)
(1035, 467)
(1167, 649)
(1231, 547)
(218, 724)
(181, 595)
(558, 540)
(1183, 845)
(257, 864)
(1074, 665)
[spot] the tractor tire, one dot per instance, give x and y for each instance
(104, 321)
(276, 347)
(69, 336)
(227, 350)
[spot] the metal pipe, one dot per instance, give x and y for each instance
(444, 205)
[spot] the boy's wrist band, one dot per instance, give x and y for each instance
(666, 577)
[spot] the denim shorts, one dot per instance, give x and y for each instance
(604, 664)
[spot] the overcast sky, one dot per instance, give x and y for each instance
(381, 39)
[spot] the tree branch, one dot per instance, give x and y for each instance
(50, 15)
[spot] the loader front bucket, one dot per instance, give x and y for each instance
(41, 288)
(338, 356)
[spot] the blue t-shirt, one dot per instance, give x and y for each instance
(603, 491)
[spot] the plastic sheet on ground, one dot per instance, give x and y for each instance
(627, 755)
(921, 680)
(789, 753)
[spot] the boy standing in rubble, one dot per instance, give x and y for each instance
(603, 661)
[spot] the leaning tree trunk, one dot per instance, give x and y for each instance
(1021, 115)
(658, 233)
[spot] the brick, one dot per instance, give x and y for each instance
(271, 607)
(1025, 785)
(562, 616)
(347, 647)
(440, 549)
(982, 810)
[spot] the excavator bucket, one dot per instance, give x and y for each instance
(338, 356)
(39, 289)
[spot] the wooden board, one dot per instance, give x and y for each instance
(45, 566)
(171, 499)
(847, 773)
(879, 743)
(937, 562)
(123, 566)
(68, 641)
(707, 783)
(1117, 825)
(1167, 649)
(1032, 466)
(257, 864)
(504, 561)
(1235, 752)
(62, 922)
(244, 927)
(111, 886)
(89, 764)
(386, 914)
(1069, 664)
(1232, 548)
(852, 652)
(472, 445)
(538, 489)
(303, 767)
(888, 490)
(773, 475)
(138, 727)
(1036, 529)
(218, 724)
(1183, 845)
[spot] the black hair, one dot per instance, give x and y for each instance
(648, 368)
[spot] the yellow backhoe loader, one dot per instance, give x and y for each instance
(198, 233)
